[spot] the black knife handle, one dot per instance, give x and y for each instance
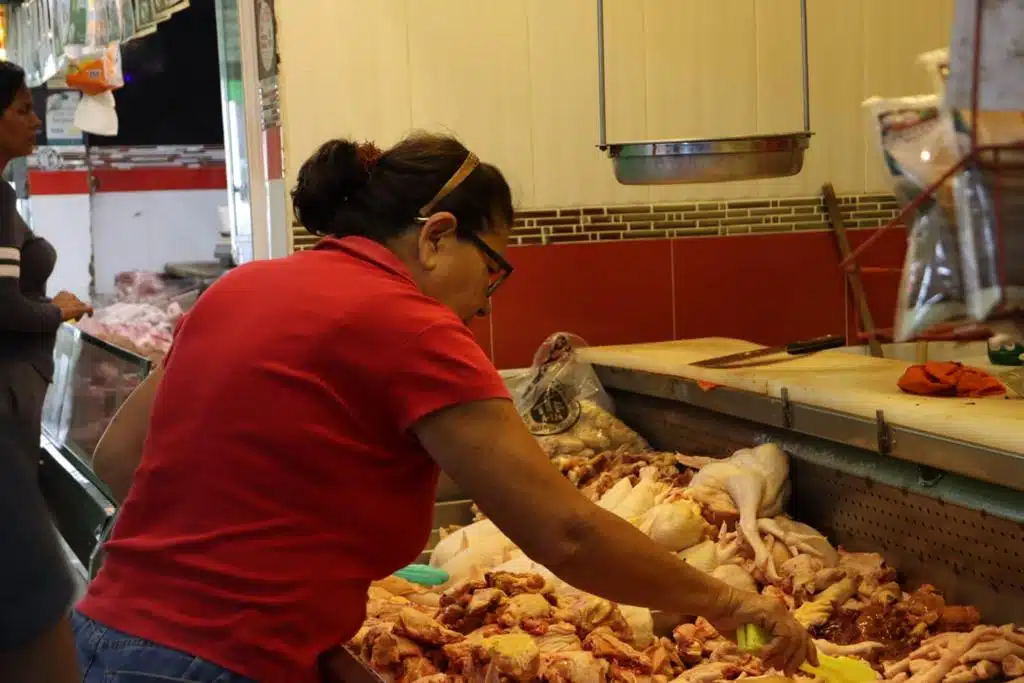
(833, 341)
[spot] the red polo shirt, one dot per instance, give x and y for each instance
(279, 476)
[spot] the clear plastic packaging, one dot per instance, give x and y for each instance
(915, 135)
(564, 405)
(989, 199)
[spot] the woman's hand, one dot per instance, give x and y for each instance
(71, 307)
(790, 645)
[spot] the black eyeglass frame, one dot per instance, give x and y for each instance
(504, 267)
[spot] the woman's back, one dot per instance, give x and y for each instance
(279, 457)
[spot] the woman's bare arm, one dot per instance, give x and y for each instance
(485, 447)
(487, 450)
(119, 450)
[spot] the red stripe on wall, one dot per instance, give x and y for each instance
(153, 179)
(58, 182)
(156, 179)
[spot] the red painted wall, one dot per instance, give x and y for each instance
(770, 289)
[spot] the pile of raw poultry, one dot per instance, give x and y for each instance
(503, 617)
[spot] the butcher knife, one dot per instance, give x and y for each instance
(800, 348)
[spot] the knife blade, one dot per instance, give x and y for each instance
(800, 348)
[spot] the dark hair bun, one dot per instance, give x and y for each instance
(327, 181)
(347, 189)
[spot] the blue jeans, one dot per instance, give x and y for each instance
(109, 656)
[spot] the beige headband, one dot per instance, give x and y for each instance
(461, 174)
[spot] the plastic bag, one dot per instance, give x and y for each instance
(96, 70)
(990, 213)
(915, 137)
(565, 406)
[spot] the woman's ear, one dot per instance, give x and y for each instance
(433, 233)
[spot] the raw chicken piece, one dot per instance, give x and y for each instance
(708, 673)
(557, 637)
(703, 556)
(523, 607)
(424, 629)
(735, 576)
(664, 658)
(694, 461)
(641, 624)
(478, 558)
(1013, 666)
(513, 583)
(588, 612)
(642, 497)
(579, 666)
(513, 655)
(616, 494)
(462, 539)
(863, 650)
(604, 644)
(817, 611)
(807, 575)
(412, 592)
(519, 563)
(801, 537)
(757, 481)
(676, 525)
(958, 618)
(717, 505)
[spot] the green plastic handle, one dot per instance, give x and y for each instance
(752, 638)
(423, 575)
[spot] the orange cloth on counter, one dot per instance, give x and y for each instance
(949, 378)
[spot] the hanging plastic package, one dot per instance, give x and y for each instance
(914, 135)
(94, 63)
(96, 73)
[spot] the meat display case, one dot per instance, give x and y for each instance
(868, 485)
(91, 380)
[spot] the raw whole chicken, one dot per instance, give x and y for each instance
(757, 480)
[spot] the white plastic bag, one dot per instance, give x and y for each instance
(915, 137)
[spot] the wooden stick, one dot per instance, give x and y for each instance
(835, 217)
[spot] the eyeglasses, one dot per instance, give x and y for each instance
(501, 268)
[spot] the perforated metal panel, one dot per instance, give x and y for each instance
(971, 556)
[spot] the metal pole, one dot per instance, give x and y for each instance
(806, 65)
(603, 132)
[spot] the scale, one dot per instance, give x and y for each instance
(707, 160)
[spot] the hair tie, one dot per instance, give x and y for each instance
(369, 154)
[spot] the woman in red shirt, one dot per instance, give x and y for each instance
(294, 434)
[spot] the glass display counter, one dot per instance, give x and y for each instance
(92, 379)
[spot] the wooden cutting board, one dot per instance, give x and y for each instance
(845, 382)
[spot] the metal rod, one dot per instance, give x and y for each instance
(603, 131)
(806, 66)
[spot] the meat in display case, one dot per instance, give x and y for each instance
(92, 379)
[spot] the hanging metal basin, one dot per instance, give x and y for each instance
(673, 162)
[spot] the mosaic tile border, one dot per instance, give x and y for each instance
(77, 158)
(677, 220)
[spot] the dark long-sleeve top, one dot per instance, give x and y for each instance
(28, 321)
